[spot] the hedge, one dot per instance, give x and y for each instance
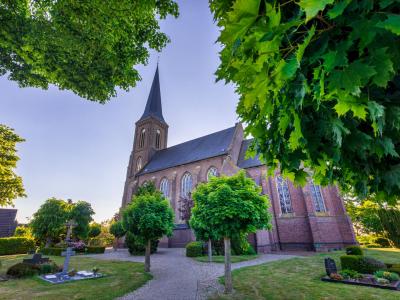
(16, 245)
(95, 249)
(354, 250)
(194, 249)
(361, 264)
(52, 251)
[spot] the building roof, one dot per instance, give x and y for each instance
(211, 145)
(7, 222)
(153, 106)
(251, 162)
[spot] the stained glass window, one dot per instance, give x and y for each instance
(284, 195)
(318, 200)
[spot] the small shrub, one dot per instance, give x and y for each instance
(136, 246)
(350, 274)
(49, 267)
(369, 265)
(52, 251)
(354, 250)
(373, 246)
(350, 262)
(96, 242)
(336, 276)
(383, 242)
(387, 275)
(95, 250)
(16, 245)
(79, 246)
(194, 249)
(20, 270)
(394, 268)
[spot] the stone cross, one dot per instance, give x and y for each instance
(67, 255)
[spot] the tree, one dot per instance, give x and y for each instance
(117, 229)
(318, 83)
(81, 212)
(89, 47)
(94, 230)
(390, 220)
(48, 223)
(227, 207)
(23, 231)
(148, 217)
(11, 186)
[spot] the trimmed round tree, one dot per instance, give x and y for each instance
(94, 230)
(148, 217)
(228, 206)
(48, 222)
(82, 213)
(118, 231)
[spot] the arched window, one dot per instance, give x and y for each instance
(186, 185)
(318, 200)
(139, 164)
(158, 138)
(164, 187)
(284, 195)
(142, 138)
(212, 172)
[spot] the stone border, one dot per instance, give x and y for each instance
(395, 287)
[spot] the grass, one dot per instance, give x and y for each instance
(220, 258)
(299, 278)
(121, 278)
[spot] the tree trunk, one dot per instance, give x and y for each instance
(209, 251)
(147, 257)
(228, 274)
(48, 243)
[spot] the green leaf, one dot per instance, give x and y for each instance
(383, 66)
(296, 135)
(302, 47)
(339, 130)
(300, 177)
(388, 146)
(312, 7)
(338, 9)
(353, 104)
(392, 23)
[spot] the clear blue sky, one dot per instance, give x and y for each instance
(78, 149)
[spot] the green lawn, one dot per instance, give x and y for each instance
(122, 278)
(220, 258)
(299, 278)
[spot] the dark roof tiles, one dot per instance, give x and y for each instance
(251, 162)
(7, 222)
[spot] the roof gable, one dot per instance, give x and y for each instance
(211, 145)
(7, 222)
(244, 163)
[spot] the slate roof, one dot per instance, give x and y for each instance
(211, 145)
(250, 162)
(7, 222)
(153, 106)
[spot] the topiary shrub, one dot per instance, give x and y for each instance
(369, 265)
(95, 249)
(20, 270)
(354, 250)
(52, 251)
(136, 246)
(16, 245)
(350, 262)
(194, 249)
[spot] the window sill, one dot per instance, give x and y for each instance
(288, 215)
(322, 214)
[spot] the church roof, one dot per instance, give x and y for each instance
(251, 162)
(153, 106)
(7, 222)
(211, 145)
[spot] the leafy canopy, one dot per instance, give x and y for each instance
(319, 85)
(82, 213)
(11, 186)
(228, 207)
(88, 47)
(117, 229)
(49, 221)
(148, 217)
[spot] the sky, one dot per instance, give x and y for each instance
(78, 149)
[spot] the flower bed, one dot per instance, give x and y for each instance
(366, 280)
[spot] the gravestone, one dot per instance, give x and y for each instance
(67, 255)
(330, 266)
(37, 259)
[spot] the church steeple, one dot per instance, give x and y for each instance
(153, 106)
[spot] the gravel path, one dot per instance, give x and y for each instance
(177, 277)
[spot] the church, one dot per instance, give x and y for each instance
(309, 218)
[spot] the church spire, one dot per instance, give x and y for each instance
(153, 106)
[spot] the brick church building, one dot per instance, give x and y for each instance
(304, 218)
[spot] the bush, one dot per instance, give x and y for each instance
(350, 262)
(354, 250)
(20, 270)
(194, 249)
(393, 268)
(96, 242)
(350, 274)
(52, 251)
(241, 246)
(95, 249)
(383, 242)
(373, 245)
(16, 245)
(369, 265)
(391, 276)
(136, 246)
(50, 267)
